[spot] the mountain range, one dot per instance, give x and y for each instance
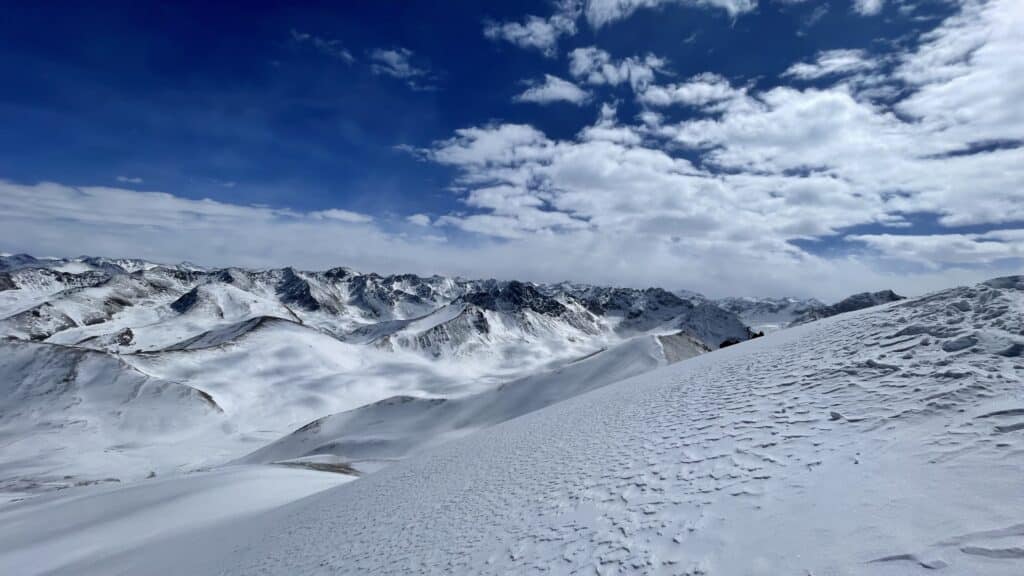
(314, 368)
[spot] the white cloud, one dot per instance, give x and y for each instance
(537, 33)
(968, 76)
(602, 12)
(553, 89)
(702, 90)
(398, 63)
(937, 249)
(332, 48)
(129, 179)
(342, 216)
(650, 239)
(832, 63)
(608, 129)
(418, 219)
(868, 7)
(543, 34)
(596, 67)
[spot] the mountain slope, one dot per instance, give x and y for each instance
(848, 304)
(278, 348)
(395, 427)
(769, 314)
(884, 441)
(72, 416)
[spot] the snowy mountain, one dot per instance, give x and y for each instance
(769, 314)
(276, 349)
(848, 304)
(71, 414)
(881, 441)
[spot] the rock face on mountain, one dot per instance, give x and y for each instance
(849, 304)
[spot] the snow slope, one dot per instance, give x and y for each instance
(883, 441)
(70, 416)
(393, 428)
(70, 531)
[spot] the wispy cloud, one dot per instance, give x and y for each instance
(398, 63)
(129, 179)
(603, 12)
(543, 34)
(332, 48)
(832, 63)
(342, 216)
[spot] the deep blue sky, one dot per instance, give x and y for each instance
(189, 96)
(766, 147)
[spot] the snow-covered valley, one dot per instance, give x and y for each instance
(175, 420)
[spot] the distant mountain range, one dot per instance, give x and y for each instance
(135, 363)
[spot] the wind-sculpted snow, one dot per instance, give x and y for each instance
(861, 444)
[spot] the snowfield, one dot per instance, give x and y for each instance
(884, 441)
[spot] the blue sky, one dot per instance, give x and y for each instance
(620, 141)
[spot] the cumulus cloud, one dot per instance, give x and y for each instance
(703, 90)
(536, 33)
(553, 89)
(596, 67)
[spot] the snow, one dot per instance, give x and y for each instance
(769, 314)
(373, 435)
(70, 416)
(499, 428)
(846, 446)
(121, 530)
